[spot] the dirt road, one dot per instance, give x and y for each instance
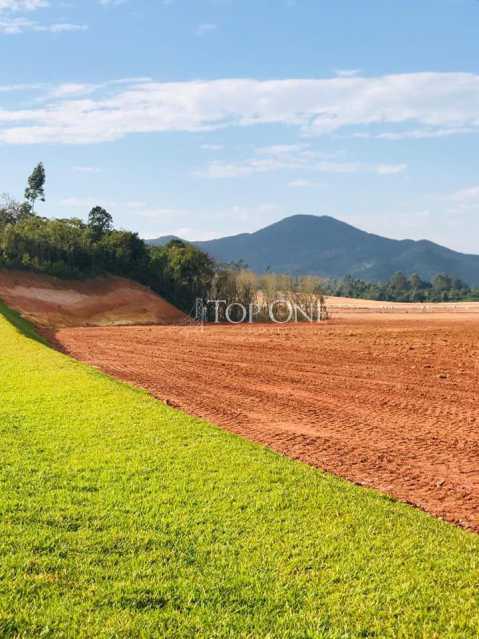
(392, 404)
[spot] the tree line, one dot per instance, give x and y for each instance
(401, 288)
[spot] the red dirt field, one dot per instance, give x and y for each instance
(389, 403)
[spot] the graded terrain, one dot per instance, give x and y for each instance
(50, 301)
(121, 517)
(390, 403)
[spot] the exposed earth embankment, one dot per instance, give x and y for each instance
(50, 302)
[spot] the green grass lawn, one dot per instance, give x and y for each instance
(121, 517)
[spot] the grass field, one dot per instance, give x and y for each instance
(123, 518)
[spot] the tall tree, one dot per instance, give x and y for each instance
(36, 183)
(442, 282)
(100, 222)
(399, 282)
(416, 282)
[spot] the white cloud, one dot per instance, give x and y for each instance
(418, 134)
(287, 150)
(466, 198)
(15, 24)
(292, 157)
(12, 26)
(347, 73)
(76, 89)
(22, 5)
(112, 3)
(71, 90)
(86, 169)
(61, 27)
(212, 147)
(10, 88)
(466, 195)
(303, 184)
(435, 101)
(464, 201)
(203, 29)
(390, 169)
(117, 3)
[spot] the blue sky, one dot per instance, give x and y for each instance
(204, 118)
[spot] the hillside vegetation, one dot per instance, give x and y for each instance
(121, 517)
(71, 248)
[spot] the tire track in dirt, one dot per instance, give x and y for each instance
(389, 404)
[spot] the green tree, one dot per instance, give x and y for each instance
(181, 272)
(100, 222)
(458, 284)
(442, 282)
(123, 253)
(399, 282)
(36, 183)
(416, 282)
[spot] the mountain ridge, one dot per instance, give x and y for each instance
(323, 245)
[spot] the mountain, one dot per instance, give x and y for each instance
(322, 245)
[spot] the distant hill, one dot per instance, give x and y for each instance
(322, 245)
(161, 241)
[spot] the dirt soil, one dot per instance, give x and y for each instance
(51, 302)
(392, 403)
(345, 306)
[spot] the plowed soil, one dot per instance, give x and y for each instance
(392, 404)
